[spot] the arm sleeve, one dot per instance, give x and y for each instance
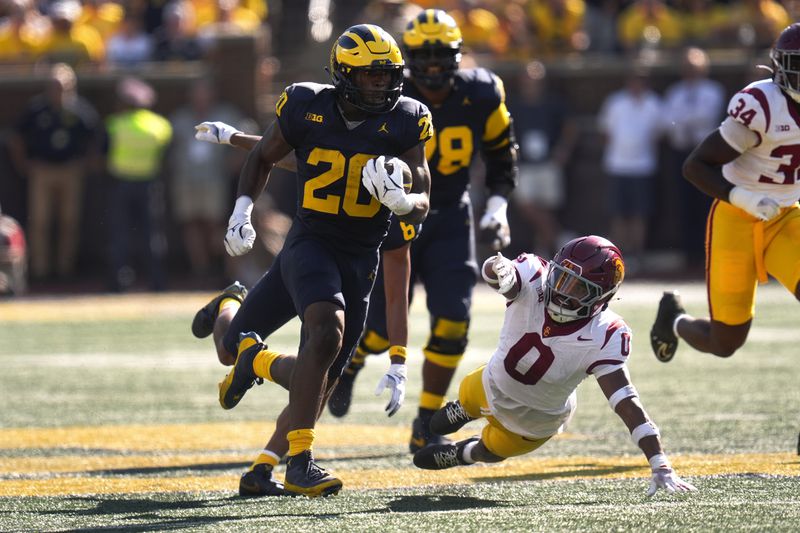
(499, 144)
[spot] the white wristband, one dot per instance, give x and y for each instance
(497, 205)
(659, 460)
(409, 201)
(644, 430)
(493, 282)
(243, 206)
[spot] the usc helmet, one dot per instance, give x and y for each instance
(583, 277)
(366, 48)
(432, 40)
(785, 55)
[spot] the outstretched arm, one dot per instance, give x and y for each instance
(270, 149)
(396, 274)
(624, 400)
(500, 274)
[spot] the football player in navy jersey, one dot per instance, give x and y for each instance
(341, 136)
(469, 114)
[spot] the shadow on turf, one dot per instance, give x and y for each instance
(579, 473)
(425, 503)
(229, 465)
(142, 509)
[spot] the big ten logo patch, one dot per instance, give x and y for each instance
(313, 117)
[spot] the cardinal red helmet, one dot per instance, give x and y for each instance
(582, 278)
(785, 55)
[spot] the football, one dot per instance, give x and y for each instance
(407, 178)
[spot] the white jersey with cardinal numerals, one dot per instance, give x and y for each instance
(531, 379)
(771, 166)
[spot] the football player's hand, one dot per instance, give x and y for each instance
(241, 235)
(665, 478)
(395, 380)
(505, 272)
(215, 132)
(758, 205)
(493, 225)
(387, 188)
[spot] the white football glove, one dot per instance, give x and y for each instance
(387, 188)
(758, 205)
(504, 269)
(395, 379)
(215, 132)
(494, 223)
(241, 235)
(666, 478)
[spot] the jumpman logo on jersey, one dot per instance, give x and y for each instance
(383, 128)
(466, 101)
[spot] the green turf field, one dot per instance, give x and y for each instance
(110, 420)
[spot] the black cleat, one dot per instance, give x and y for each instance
(242, 376)
(342, 395)
(449, 419)
(421, 435)
(305, 478)
(203, 323)
(662, 338)
(259, 482)
(441, 456)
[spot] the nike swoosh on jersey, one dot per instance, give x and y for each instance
(582, 339)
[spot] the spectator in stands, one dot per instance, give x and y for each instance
(648, 24)
(481, 30)
(754, 23)
(23, 33)
(51, 143)
(693, 108)
(631, 122)
(600, 25)
(702, 21)
(137, 141)
(558, 25)
(69, 42)
(547, 135)
(103, 15)
(202, 178)
(174, 39)
(130, 45)
(13, 259)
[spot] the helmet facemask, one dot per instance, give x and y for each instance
(787, 71)
(433, 66)
(371, 100)
(569, 296)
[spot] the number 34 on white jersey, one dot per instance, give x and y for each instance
(771, 154)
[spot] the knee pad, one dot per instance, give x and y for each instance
(447, 342)
(373, 343)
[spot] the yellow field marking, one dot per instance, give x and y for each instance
(188, 446)
(529, 468)
(101, 308)
(204, 437)
(188, 437)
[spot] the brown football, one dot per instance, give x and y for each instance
(407, 178)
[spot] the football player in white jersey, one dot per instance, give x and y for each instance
(749, 165)
(557, 331)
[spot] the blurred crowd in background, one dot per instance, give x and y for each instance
(117, 198)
